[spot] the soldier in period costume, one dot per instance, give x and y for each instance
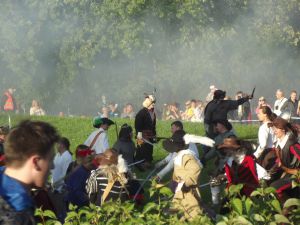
(145, 127)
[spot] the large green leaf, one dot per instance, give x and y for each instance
(276, 205)
(237, 205)
(281, 219)
(292, 202)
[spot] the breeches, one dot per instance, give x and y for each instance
(145, 151)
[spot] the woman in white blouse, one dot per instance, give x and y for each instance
(266, 136)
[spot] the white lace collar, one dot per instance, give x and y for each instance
(281, 143)
(178, 158)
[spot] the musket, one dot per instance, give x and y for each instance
(161, 138)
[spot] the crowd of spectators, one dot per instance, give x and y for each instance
(192, 110)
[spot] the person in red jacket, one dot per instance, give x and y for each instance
(8, 103)
(241, 168)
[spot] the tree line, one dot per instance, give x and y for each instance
(63, 52)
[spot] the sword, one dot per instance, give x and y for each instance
(252, 94)
(142, 185)
(148, 142)
(138, 162)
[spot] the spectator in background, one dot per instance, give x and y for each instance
(35, 109)
(189, 110)
(128, 111)
(198, 112)
(210, 95)
(279, 103)
(3, 133)
(165, 111)
(124, 145)
(29, 153)
(243, 111)
(174, 111)
(8, 102)
(291, 105)
(261, 102)
(104, 112)
(113, 110)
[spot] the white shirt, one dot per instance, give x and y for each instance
(265, 139)
(101, 144)
(278, 104)
(61, 163)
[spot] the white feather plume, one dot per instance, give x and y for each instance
(191, 138)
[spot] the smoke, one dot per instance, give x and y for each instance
(46, 55)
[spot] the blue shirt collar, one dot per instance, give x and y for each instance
(14, 193)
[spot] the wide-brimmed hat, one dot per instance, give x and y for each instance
(175, 143)
(98, 121)
(229, 143)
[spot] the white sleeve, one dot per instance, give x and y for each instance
(105, 143)
(67, 161)
(263, 133)
(193, 148)
(164, 161)
(168, 168)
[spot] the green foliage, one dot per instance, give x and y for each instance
(262, 207)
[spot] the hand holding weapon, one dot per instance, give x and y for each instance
(252, 94)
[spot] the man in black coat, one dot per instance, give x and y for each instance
(145, 127)
(217, 110)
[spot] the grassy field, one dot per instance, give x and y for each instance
(77, 129)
